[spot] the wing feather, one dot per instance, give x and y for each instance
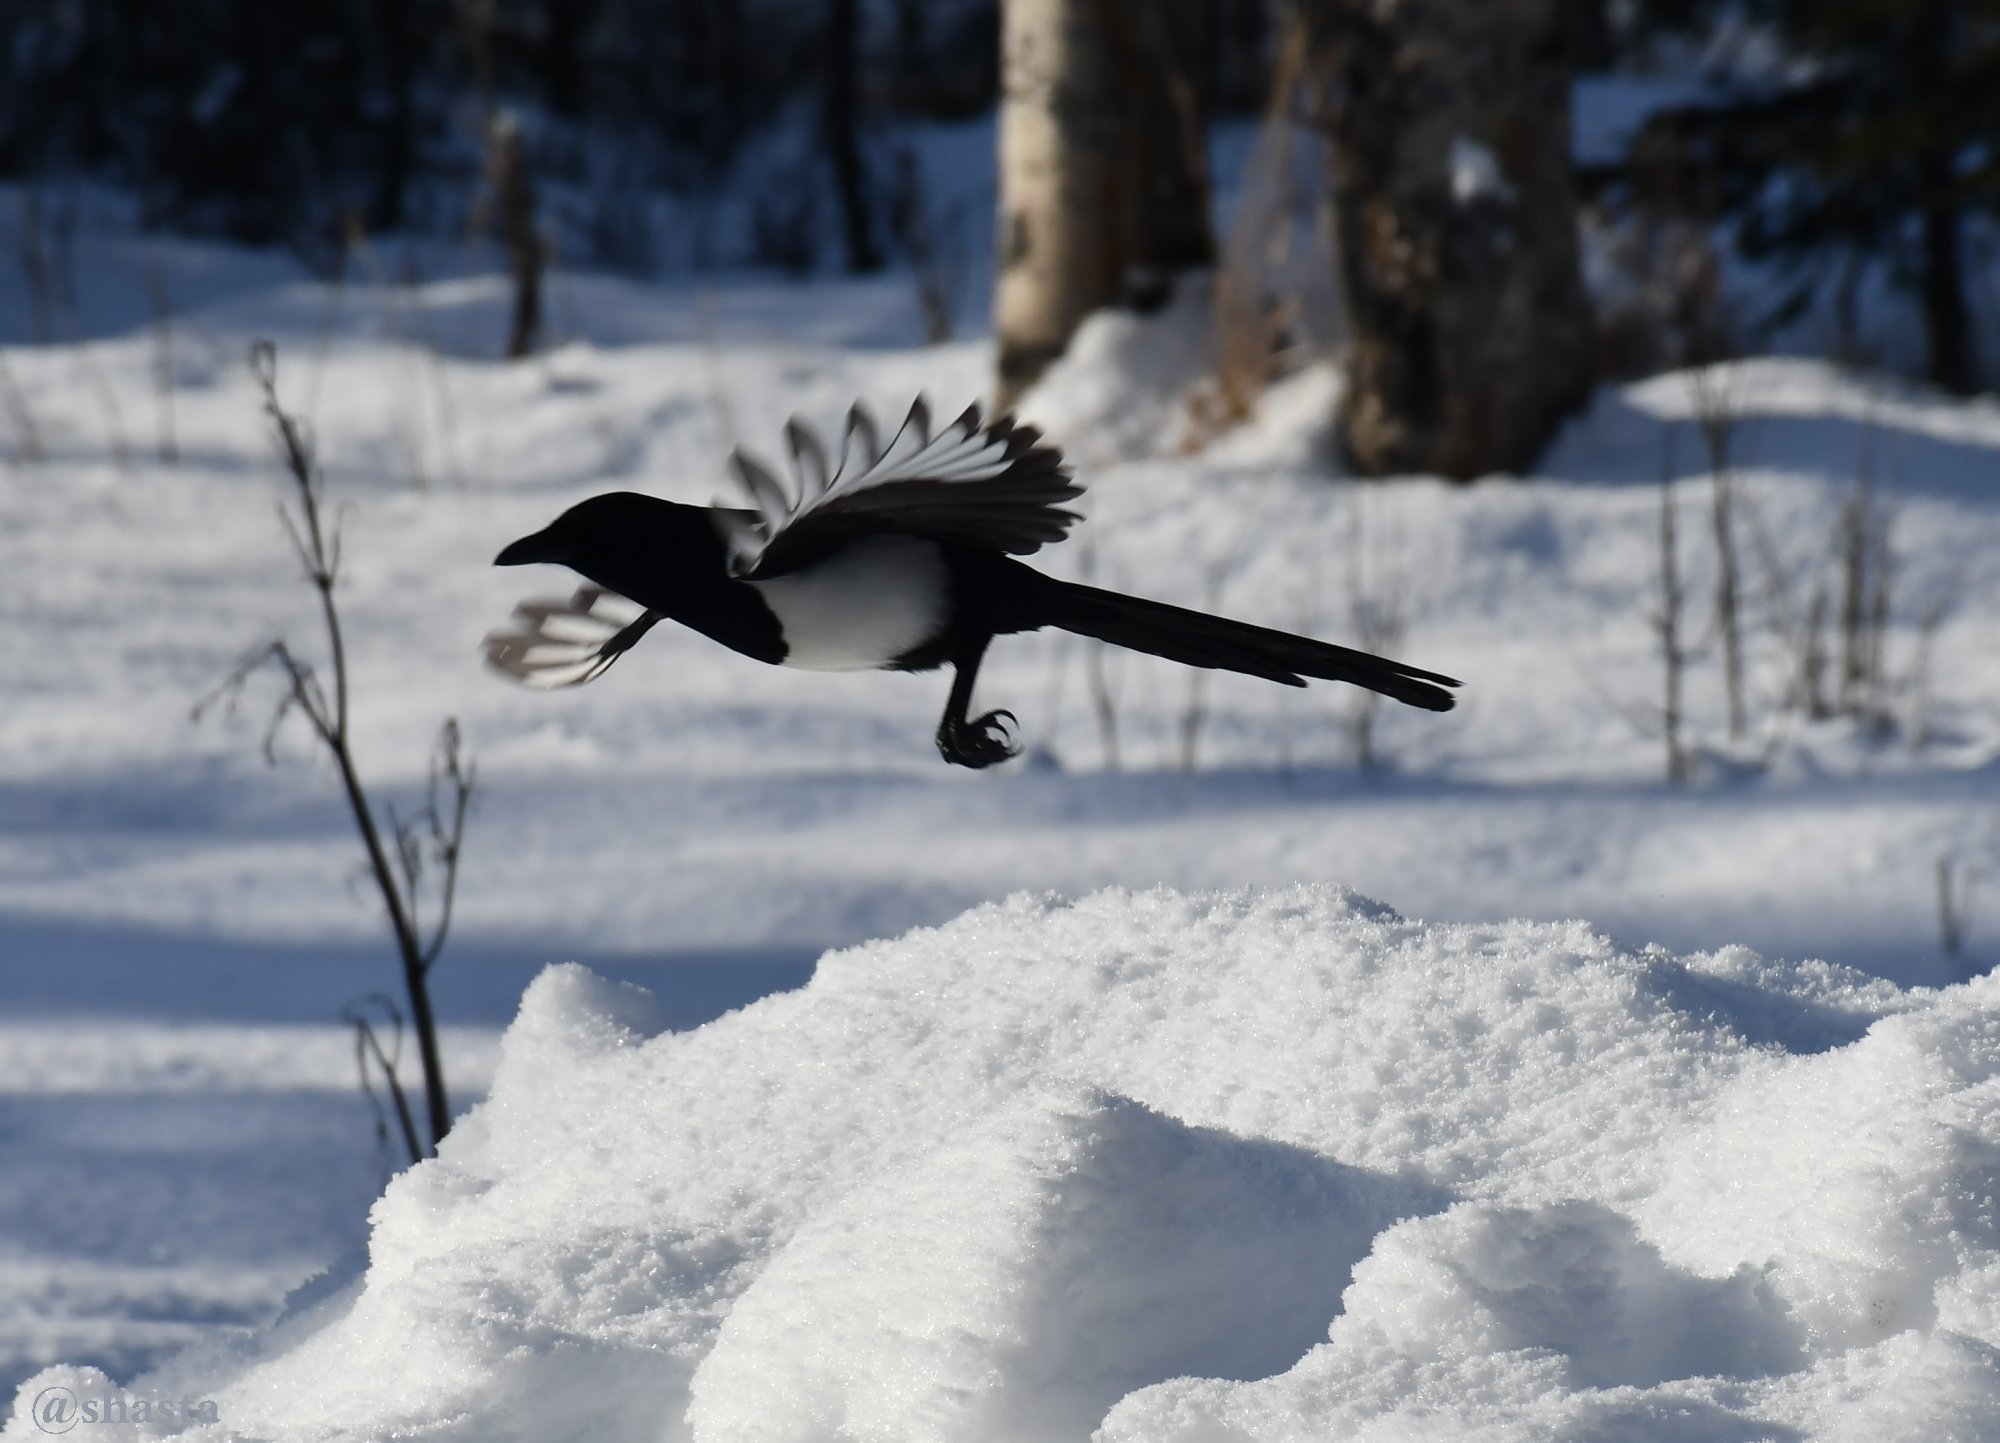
(550, 644)
(996, 487)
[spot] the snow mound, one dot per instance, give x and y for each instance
(1149, 1166)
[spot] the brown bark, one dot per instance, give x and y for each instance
(1103, 169)
(1456, 227)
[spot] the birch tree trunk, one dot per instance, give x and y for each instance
(1103, 170)
(1456, 228)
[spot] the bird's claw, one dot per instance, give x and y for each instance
(980, 742)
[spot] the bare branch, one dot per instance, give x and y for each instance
(397, 866)
(367, 1045)
(448, 766)
(1668, 621)
(1717, 414)
(1954, 906)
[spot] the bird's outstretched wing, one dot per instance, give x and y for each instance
(553, 644)
(995, 487)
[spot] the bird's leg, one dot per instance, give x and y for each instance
(620, 643)
(982, 740)
(628, 636)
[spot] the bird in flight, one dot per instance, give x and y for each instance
(895, 558)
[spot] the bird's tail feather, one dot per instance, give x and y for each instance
(1195, 638)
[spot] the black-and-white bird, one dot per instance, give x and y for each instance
(897, 558)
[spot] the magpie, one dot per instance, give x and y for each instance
(896, 558)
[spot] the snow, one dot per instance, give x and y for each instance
(1243, 1157)
(1263, 1164)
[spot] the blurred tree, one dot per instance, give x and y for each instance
(1456, 229)
(1588, 24)
(1103, 168)
(842, 134)
(1876, 137)
(1233, 60)
(268, 123)
(939, 61)
(562, 53)
(511, 199)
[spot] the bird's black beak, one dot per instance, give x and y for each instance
(538, 547)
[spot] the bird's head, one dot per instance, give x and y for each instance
(638, 546)
(583, 530)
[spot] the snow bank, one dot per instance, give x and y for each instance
(1265, 1165)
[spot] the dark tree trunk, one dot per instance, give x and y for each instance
(1951, 361)
(1164, 213)
(1233, 59)
(397, 133)
(1456, 227)
(566, 27)
(1589, 25)
(514, 211)
(843, 139)
(1952, 365)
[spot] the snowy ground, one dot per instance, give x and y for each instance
(1271, 1165)
(181, 1140)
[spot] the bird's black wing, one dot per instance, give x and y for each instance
(993, 487)
(567, 643)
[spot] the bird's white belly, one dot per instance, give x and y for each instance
(863, 608)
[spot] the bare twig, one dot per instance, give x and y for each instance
(1800, 626)
(1669, 621)
(1097, 676)
(1716, 414)
(1306, 619)
(1866, 532)
(932, 240)
(1917, 685)
(1194, 715)
(163, 357)
(368, 1048)
(27, 436)
(397, 865)
(1954, 906)
(1376, 617)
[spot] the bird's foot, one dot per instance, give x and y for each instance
(980, 742)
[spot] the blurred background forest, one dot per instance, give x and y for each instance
(1845, 152)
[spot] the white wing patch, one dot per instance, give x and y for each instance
(859, 610)
(553, 644)
(912, 485)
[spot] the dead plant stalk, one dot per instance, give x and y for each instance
(399, 854)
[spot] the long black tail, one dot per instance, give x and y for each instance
(1194, 638)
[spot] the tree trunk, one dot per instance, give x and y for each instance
(1952, 365)
(562, 57)
(514, 212)
(1456, 229)
(1103, 169)
(1163, 219)
(843, 139)
(396, 145)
